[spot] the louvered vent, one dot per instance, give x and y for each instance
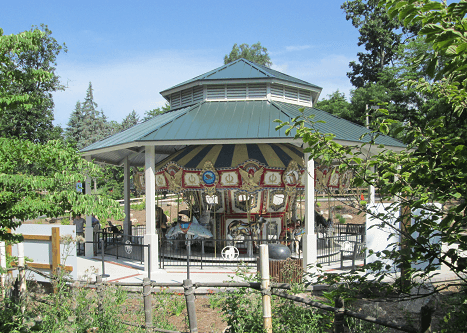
(187, 96)
(236, 91)
(277, 91)
(304, 96)
(291, 94)
(257, 91)
(175, 100)
(215, 92)
(197, 94)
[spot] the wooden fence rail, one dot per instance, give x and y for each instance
(55, 241)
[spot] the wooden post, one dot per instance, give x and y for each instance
(425, 317)
(147, 304)
(405, 224)
(55, 249)
(21, 276)
(265, 291)
(3, 266)
(190, 305)
(100, 295)
(339, 317)
(8, 250)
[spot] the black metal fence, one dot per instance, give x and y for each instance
(120, 245)
(225, 252)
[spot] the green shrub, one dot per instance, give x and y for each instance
(139, 206)
(242, 310)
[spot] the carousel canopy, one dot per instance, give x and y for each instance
(234, 104)
(230, 156)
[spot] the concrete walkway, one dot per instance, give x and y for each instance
(128, 271)
(123, 270)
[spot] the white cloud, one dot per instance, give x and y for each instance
(121, 86)
(328, 72)
(297, 48)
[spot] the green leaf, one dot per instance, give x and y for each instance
(432, 6)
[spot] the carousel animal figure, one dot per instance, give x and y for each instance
(193, 229)
(292, 235)
(238, 230)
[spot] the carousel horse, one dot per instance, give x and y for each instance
(293, 234)
(238, 229)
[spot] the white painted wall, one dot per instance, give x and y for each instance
(41, 251)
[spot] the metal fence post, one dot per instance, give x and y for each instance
(103, 262)
(190, 304)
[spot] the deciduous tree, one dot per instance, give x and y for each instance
(154, 112)
(27, 80)
(431, 170)
(255, 53)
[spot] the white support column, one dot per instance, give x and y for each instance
(310, 248)
(126, 197)
(150, 259)
(88, 232)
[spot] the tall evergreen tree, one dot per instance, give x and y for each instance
(87, 124)
(75, 125)
(94, 121)
(129, 121)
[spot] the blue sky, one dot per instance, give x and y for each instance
(131, 51)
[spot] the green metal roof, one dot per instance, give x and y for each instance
(221, 122)
(243, 69)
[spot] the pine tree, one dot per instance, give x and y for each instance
(75, 125)
(131, 120)
(94, 123)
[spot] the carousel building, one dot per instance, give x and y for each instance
(219, 150)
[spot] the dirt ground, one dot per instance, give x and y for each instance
(210, 320)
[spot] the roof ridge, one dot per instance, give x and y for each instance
(255, 65)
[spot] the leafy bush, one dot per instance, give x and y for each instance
(139, 206)
(242, 309)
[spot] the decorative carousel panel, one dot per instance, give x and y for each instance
(277, 201)
(191, 179)
(272, 228)
(244, 202)
(251, 173)
(214, 202)
(173, 174)
(229, 179)
(334, 179)
(272, 178)
(161, 183)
